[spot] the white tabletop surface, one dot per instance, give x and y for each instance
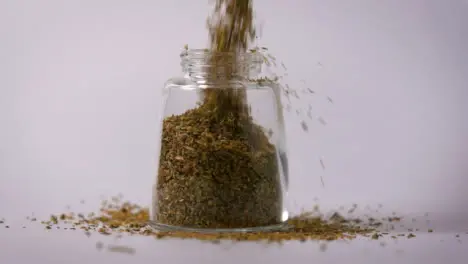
(34, 244)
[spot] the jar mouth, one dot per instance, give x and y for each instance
(201, 55)
(200, 64)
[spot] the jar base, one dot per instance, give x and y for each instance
(169, 228)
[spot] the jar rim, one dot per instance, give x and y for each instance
(250, 56)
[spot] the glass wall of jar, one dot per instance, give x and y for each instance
(222, 162)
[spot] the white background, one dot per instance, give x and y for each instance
(80, 85)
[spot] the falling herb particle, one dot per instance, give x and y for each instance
(411, 235)
(284, 66)
(322, 121)
(322, 163)
(430, 230)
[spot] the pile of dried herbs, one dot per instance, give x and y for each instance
(117, 217)
(217, 168)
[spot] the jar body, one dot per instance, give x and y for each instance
(221, 165)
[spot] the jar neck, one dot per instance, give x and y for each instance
(205, 66)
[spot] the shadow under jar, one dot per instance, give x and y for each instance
(222, 159)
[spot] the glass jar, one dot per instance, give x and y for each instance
(222, 163)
